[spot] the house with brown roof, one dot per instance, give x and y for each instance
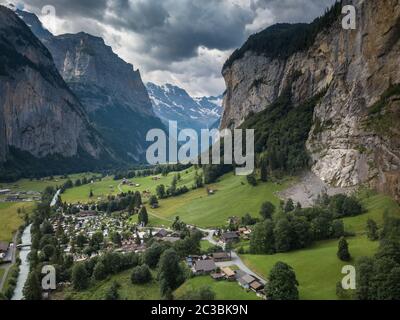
(204, 267)
(221, 256)
(229, 237)
(229, 273)
(4, 247)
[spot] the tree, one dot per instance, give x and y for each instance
(91, 193)
(289, 207)
(112, 292)
(32, 289)
(170, 273)
(153, 201)
(97, 240)
(283, 235)
(343, 250)
(143, 216)
(264, 169)
(251, 179)
(372, 230)
(160, 191)
(282, 284)
(116, 238)
(99, 271)
(267, 210)
(81, 240)
(141, 275)
(203, 293)
(337, 229)
(80, 278)
(262, 239)
(152, 255)
(137, 199)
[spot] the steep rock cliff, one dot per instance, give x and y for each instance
(39, 114)
(110, 89)
(355, 135)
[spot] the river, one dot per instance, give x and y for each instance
(24, 267)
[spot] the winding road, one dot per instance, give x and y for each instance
(236, 260)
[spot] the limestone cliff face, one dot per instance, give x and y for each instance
(350, 144)
(111, 90)
(84, 59)
(38, 112)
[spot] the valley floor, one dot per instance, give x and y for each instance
(317, 268)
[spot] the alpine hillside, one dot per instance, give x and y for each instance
(43, 126)
(327, 94)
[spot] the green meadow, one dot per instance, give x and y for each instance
(223, 290)
(10, 218)
(233, 197)
(127, 290)
(108, 186)
(317, 268)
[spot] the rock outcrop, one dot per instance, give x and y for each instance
(110, 89)
(38, 112)
(350, 143)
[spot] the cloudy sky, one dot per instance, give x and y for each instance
(184, 42)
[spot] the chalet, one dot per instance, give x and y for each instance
(161, 233)
(3, 249)
(221, 257)
(246, 281)
(204, 266)
(229, 274)
(87, 213)
(5, 191)
(256, 286)
(229, 237)
(171, 239)
(217, 276)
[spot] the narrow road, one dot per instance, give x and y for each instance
(120, 189)
(236, 260)
(7, 267)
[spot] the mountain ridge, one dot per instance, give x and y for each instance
(171, 102)
(110, 89)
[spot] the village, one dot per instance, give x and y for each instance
(89, 233)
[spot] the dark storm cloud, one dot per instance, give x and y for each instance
(293, 10)
(173, 30)
(94, 9)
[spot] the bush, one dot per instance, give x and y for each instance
(141, 275)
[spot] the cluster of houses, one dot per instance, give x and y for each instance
(89, 222)
(209, 265)
(22, 196)
(129, 183)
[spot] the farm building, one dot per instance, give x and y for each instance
(204, 266)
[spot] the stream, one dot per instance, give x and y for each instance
(24, 267)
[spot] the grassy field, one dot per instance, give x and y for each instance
(205, 245)
(317, 268)
(40, 185)
(233, 197)
(109, 186)
(10, 219)
(224, 290)
(127, 291)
